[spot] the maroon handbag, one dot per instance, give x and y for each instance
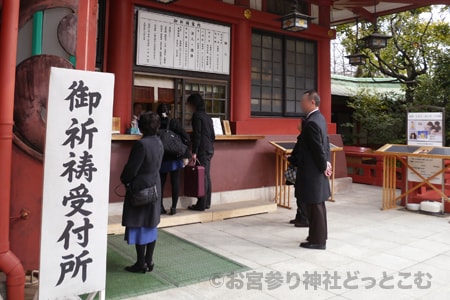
(194, 180)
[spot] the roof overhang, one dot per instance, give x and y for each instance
(346, 11)
(350, 86)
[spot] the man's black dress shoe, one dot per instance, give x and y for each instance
(163, 211)
(193, 207)
(137, 269)
(309, 245)
(300, 224)
(295, 222)
(173, 211)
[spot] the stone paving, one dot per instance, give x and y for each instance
(371, 254)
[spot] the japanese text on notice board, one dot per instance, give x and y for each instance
(180, 43)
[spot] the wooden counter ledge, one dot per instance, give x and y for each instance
(237, 137)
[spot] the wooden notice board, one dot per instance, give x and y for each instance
(394, 153)
(282, 150)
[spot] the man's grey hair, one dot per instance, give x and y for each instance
(314, 96)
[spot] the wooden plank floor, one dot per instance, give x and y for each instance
(216, 213)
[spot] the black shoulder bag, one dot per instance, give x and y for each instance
(142, 197)
(172, 143)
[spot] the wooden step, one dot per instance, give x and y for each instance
(216, 213)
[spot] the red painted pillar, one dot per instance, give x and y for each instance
(241, 72)
(9, 29)
(324, 80)
(119, 58)
(87, 34)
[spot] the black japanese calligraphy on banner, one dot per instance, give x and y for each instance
(80, 96)
(166, 41)
(76, 183)
(77, 133)
(84, 167)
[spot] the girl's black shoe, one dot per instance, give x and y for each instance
(150, 266)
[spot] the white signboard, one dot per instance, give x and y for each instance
(217, 125)
(426, 167)
(425, 129)
(76, 183)
(174, 42)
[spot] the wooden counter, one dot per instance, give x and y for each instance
(236, 137)
(126, 137)
(239, 137)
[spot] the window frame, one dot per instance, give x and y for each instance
(284, 73)
(181, 95)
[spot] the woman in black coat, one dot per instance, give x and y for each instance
(203, 138)
(140, 172)
(172, 164)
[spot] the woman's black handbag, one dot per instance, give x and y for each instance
(143, 197)
(172, 143)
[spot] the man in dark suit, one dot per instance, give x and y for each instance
(311, 155)
(300, 220)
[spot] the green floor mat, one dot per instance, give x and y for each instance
(177, 263)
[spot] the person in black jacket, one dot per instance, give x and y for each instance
(311, 156)
(300, 220)
(142, 171)
(172, 164)
(203, 138)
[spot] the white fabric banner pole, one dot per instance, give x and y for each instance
(76, 183)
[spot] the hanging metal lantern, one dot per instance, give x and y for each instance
(295, 21)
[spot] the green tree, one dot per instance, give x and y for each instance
(434, 89)
(418, 38)
(378, 118)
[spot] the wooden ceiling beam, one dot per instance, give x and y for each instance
(364, 14)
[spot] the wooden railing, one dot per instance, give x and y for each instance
(364, 166)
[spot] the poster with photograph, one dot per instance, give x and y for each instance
(425, 129)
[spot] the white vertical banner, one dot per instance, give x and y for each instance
(76, 183)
